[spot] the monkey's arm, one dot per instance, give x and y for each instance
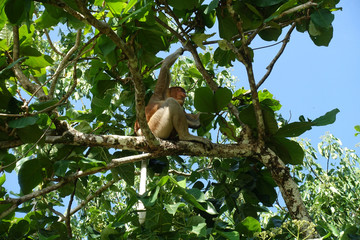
(164, 78)
(193, 120)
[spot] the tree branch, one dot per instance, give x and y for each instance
(51, 43)
(64, 63)
(20, 76)
(90, 197)
(297, 8)
(271, 65)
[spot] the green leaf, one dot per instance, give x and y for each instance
(172, 208)
(249, 226)
(322, 18)
(287, 5)
(328, 118)
(198, 225)
(212, 6)
(184, 4)
(321, 37)
(88, 163)
(199, 38)
(266, 3)
(19, 230)
(224, 58)
(150, 201)
(38, 106)
(30, 175)
(357, 128)
(234, 235)
(39, 62)
(126, 171)
(106, 45)
(270, 34)
(23, 122)
(270, 122)
(227, 26)
(206, 101)
(289, 151)
(15, 10)
(265, 192)
(222, 98)
(60, 167)
(46, 21)
(31, 134)
(247, 116)
(203, 100)
(30, 51)
(116, 7)
(2, 179)
(294, 129)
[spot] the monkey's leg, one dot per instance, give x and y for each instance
(180, 123)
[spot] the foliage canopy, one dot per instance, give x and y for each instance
(67, 111)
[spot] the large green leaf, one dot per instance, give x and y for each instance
(294, 129)
(227, 26)
(320, 36)
(15, 10)
(39, 62)
(46, 21)
(222, 98)
(31, 134)
(126, 172)
(207, 101)
(270, 34)
(289, 151)
(30, 175)
(172, 208)
(19, 230)
(328, 118)
(184, 4)
(267, 3)
(247, 116)
(23, 122)
(224, 58)
(322, 18)
(249, 226)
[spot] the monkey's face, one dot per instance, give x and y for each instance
(179, 94)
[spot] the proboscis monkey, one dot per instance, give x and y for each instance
(166, 116)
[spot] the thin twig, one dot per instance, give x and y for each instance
(51, 43)
(68, 215)
(90, 197)
(271, 65)
(63, 63)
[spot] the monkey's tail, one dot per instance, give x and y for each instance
(142, 189)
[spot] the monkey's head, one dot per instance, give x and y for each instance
(178, 93)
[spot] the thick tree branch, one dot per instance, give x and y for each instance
(288, 188)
